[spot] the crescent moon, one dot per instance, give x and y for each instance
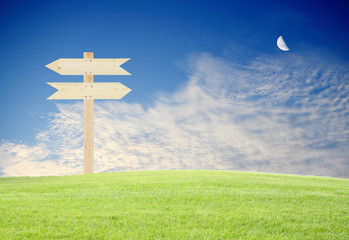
(281, 44)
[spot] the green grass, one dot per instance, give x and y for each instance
(174, 205)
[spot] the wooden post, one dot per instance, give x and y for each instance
(88, 123)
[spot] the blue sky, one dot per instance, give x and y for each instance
(184, 55)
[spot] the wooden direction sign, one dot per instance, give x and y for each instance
(100, 90)
(83, 66)
(89, 90)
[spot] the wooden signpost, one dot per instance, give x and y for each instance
(89, 90)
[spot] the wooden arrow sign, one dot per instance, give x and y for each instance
(92, 66)
(100, 90)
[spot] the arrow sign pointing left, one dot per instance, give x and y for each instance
(100, 90)
(92, 66)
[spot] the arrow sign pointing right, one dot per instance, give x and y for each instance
(85, 66)
(100, 90)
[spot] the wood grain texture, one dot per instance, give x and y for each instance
(89, 66)
(88, 136)
(88, 125)
(88, 78)
(89, 90)
(88, 54)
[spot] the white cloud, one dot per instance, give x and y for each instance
(287, 115)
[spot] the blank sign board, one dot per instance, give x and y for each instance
(100, 90)
(93, 66)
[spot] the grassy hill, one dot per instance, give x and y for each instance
(174, 205)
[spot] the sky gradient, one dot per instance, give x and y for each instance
(210, 88)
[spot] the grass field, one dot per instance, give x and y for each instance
(174, 205)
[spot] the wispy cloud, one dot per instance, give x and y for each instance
(288, 114)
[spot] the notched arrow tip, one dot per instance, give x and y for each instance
(123, 61)
(52, 85)
(52, 96)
